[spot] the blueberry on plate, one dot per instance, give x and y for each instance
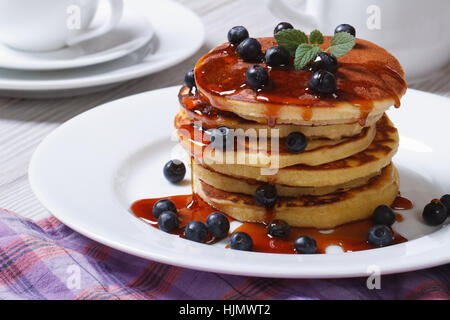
(384, 215)
(217, 225)
(222, 138)
(257, 77)
(323, 82)
(241, 241)
(305, 245)
(345, 28)
(250, 50)
(434, 213)
(282, 26)
(277, 57)
(167, 221)
(296, 142)
(163, 205)
(174, 171)
(237, 34)
(445, 200)
(195, 231)
(325, 61)
(380, 236)
(266, 195)
(278, 229)
(189, 79)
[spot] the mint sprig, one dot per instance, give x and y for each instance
(305, 49)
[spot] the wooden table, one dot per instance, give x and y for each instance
(25, 122)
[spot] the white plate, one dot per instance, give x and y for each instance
(178, 34)
(89, 171)
(133, 32)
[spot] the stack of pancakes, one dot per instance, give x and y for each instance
(345, 171)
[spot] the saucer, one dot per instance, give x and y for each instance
(178, 34)
(132, 33)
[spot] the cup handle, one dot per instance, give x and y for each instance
(279, 8)
(116, 11)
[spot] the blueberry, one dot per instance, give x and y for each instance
(266, 195)
(174, 171)
(189, 79)
(282, 26)
(384, 215)
(380, 236)
(257, 77)
(325, 61)
(217, 225)
(296, 142)
(278, 229)
(434, 213)
(222, 138)
(195, 231)
(237, 34)
(277, 57)
(323, 82)
(345, 28)
(305, 245)
(241, 241)
(250, 50)
(445, 200)
(163, 205)
(167, 221)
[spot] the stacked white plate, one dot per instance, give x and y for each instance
(148, 39)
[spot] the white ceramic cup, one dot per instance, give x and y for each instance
(415, 31)
(45, 25)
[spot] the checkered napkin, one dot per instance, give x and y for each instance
(48, 260)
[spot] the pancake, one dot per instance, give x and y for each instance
(322, 212)
(369, 81)
(194, 107)
(258, 153)
(377, 156)
(247, 186)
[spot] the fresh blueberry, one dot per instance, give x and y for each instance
(323, 82)
(217, 225)
(241, 241)
(384, 215)
(278, 229)
(195, 231)
(163, 205)
(380, 236)
(345, 28)
(266, 195)
(174, 171)
(434, 213)
(445, 200)
(257, 77)
(277, 57)
(250, 50)
(222, 138)
(305, 245)
(296, 142)
(282, 26)
(325, 61)
(167, 221)
(189, 79)
(237, 34)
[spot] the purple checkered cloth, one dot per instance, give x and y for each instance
(48, 260)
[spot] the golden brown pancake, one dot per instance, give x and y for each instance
(322, 212)
(369, 81)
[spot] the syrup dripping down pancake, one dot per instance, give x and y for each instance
(369, 81)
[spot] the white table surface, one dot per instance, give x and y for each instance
(25, 122)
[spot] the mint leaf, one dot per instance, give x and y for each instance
(316, 37)
(304, 54)
(342, 43)
(290, 39)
